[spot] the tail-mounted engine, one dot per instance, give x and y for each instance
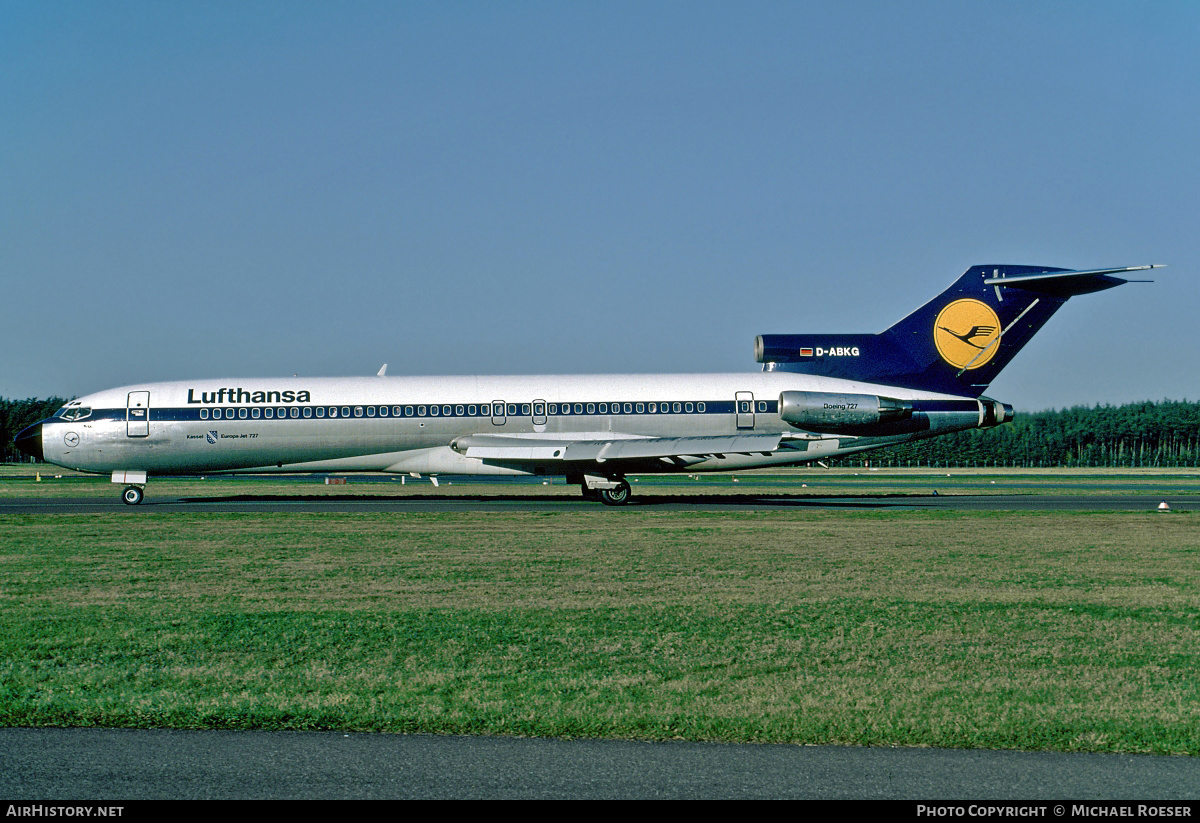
(995, 413)
(825, 411)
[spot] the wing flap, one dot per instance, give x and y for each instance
(615, 449)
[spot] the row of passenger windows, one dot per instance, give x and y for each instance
(485, 410)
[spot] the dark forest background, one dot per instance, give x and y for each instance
(16, 415)
(1135, 435)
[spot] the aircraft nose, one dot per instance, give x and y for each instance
(30, 441)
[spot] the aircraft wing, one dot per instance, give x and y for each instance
(679, 451)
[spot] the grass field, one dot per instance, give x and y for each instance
(1047, 630)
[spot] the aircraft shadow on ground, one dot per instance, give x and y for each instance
(871, 501)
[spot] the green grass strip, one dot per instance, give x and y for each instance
(998, 630)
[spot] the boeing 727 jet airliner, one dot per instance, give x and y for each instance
(817, 397)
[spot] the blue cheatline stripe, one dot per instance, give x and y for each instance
(945, 406)
(482, 411)
(431, 410)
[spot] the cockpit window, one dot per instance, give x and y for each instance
(74, 412)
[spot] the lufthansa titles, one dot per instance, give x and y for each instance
(240, 395)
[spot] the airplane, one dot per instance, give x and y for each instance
(817, 397)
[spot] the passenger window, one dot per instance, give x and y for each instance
(333, 411)
(268, 413)
(255, 413)
(370, 411)
(204, 414)
(216, 414)
(591, 408)
(320, 411)
(295, 412)
(308, 411)
(408, 411)
(641, 407)
(700, 408)
(604, 408)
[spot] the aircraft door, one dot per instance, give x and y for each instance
(539, 412)
(137, 414)
(745, 410)
(498, 413)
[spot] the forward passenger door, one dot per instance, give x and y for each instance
(137, 414)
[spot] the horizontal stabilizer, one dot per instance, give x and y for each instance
(1068, 283)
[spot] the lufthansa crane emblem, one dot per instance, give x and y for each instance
(966, 333)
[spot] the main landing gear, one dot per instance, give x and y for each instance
(611, 491)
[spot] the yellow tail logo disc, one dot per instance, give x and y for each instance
(965, 333)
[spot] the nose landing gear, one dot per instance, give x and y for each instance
(135, 486)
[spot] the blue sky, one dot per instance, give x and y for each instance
(248, 189)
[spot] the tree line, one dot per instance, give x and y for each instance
(16, 415)
(1133, 435)
(1148, 434)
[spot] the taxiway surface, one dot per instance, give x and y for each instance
(659, 502)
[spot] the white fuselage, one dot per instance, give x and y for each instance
(411, 424)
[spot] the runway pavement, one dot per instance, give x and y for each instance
(659, 502)
(111, 765)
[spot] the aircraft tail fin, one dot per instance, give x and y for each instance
(956, 343)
